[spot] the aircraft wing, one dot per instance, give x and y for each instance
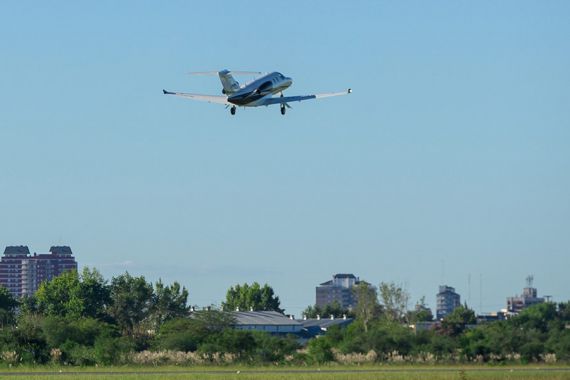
(204, 98)
(289, 99)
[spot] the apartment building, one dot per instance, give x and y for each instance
(22, 272)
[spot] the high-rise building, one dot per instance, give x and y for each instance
(22, 273)
(338, 289)
(447, 301)
(11, 269)
(529, 297)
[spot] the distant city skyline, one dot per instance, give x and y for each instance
(448, 164)
(22, 272)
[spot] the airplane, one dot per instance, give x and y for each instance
(257, 93)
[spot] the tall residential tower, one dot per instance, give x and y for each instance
(338, 289)
(22, 273)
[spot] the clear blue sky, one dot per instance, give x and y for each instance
(450, 161)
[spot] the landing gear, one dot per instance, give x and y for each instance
(283, 109)
(233, 110)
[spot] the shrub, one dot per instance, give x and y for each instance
(549, 358)
(531, 351)
(55, 355)
(80, 355)
(111, 350)
(10, 357)
(156, 358)
(355, 358)
(272, 349)
(320, 350)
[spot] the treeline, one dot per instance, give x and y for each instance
(82, 319)
(540, 333)
(382, 332)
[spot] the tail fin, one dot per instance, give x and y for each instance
(230, 85)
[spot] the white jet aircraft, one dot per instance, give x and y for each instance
(257, 93)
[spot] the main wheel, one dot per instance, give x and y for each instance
(233, 110)
(283, 109)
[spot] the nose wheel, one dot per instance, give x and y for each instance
(233, 110)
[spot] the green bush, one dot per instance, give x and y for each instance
(181, 334)
(111, 350)
(78, 354)
(230, 341)
(270, 349)
(29, 342)
(320, 350)
(531, 351)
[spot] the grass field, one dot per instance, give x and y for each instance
(261, 373)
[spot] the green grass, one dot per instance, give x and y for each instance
(292, 373)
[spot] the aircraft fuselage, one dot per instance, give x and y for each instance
(252, 93)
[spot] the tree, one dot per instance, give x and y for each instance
(187, 334)
(61, 296)
(421, 312)
(95, 293)
(180, 334)
(559, 343)
(246, 297)
(168, 302)
(28, 305)
(73, 295)
(8, 306)
(28, 340)
(564, 311)
(367, 307)
(131, 301)
(83, 331)
(395, 301)
(536, 316)
(455, 322)
(334, 309)
(213, 321)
